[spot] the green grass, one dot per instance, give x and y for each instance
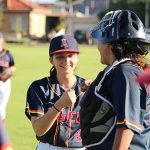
(32, 63)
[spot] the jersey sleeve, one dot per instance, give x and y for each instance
(128, 99)
(11, 62)
(34, 104)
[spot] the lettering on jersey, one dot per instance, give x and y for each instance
(64, 43)
(77, 136)
(62, 115)
(69, 116)
(78, 118)
(4, 63)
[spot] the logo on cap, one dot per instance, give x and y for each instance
(64, 43)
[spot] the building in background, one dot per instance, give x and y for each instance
(23, 18)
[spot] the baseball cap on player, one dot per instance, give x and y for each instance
(63, 43)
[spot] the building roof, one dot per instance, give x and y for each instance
(21, 5)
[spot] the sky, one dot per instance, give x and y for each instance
(44, 1)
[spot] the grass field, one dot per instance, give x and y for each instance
(32, 63)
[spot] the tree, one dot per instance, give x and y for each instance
(137, 6)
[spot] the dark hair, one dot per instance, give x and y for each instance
(53, 71)
(129, 49)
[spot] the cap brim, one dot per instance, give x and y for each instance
(96, 34)
(65, 50)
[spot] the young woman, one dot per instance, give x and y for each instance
(53, 102)
(115, 110)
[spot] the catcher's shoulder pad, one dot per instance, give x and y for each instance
(97, 114)
(97, 118)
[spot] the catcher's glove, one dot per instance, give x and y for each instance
(5, 74)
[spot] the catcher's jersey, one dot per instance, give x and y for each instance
(130, 103)
(4, 142)
(42, 94)
(6, 59)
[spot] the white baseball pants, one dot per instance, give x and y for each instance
(46, 146)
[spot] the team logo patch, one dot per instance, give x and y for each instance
(64, 43)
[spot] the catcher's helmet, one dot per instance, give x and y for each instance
(120, 24)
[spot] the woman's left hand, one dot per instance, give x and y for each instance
(85, 85)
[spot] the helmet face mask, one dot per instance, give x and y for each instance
(107, 20)
(117, 25)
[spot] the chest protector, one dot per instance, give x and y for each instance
(97, 114)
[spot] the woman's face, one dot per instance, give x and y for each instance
(65, 62)
(107, 57)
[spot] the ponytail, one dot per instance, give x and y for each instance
(53, 71)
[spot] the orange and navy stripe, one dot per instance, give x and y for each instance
(56, 133)
(36, 111)
(131, 123)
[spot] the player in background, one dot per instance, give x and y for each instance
(4, 141)
(7, 69)
(144, 77)
(53, 102)
(115, 110)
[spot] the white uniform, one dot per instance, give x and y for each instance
(5, 89)
(47, 146)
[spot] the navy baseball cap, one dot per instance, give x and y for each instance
(63, 43)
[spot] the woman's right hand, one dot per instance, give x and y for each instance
(67, 99)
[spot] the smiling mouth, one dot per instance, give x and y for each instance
(66, 67)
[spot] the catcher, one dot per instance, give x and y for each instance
(115, 110)
(7, 68)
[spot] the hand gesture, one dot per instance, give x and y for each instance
(85, 85)
(68, 98)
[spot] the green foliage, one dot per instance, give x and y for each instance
(138, 6)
